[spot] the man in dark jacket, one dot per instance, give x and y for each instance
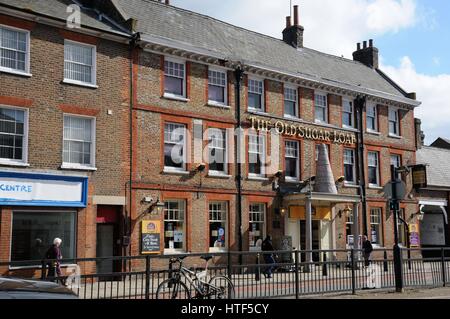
(367, 248)
(268, 258)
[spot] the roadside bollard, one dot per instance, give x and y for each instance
(324, 267)
(385, 262)
(258, 270)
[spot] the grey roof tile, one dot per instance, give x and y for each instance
(438, 161)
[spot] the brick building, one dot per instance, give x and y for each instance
(64, 105)
(226, 129)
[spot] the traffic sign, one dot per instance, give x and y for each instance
(400, 188)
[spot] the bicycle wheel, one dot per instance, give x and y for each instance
(172, 289)
(221, 287)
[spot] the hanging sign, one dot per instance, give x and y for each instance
(419, 176)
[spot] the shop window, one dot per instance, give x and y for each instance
(218, 230)
(13, 135)
(174, 225)
(376, 226)
(174, 147)
(257, 227)
(33, 234)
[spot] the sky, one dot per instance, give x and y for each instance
(411, 35)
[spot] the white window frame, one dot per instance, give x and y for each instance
(92, 84)
(225, 171)
(378, 168)
(184, 204)
(352, 103)
(76, 166)
(380, 226)
(169, 169)
(397, 123)
(353, 182)
(375, 107)
(225, 92)
(24, 161)
(227, 212)
(263, 102)
(27, 55)
(297, 163)
(261, 142)
(178, 61)
(296, 111)
(323, 94)
(263, 222)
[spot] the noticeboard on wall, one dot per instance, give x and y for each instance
(151, 237)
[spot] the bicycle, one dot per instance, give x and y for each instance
(218, 287)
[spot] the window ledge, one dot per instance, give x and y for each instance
(87, 85)
(350, 128)
(350, 185)
(218, 104)
(175, 97)
(373, 132)
(218, 250)
(14, 72)
(257, 112)
(78, 167)
(375, 187)
(291, 117)
(395, 136)
(321, 122)
(174, 252)
(292, 180)
(37, 266)
(17, 164)
(174, 172)
(257, 178)
(219, 175)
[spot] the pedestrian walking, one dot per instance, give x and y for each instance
(268, 258)
(367, 248)
(54, 256)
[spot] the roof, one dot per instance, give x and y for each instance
(234, 43)
(57, 9)
(438, 161)
(441, 143)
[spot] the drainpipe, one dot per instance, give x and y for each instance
(238, 73)
(360, 103)
(127, 229)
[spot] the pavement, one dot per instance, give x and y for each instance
(434, 293)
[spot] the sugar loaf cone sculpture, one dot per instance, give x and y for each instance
(324, 175)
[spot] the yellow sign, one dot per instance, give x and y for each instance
(301, 131)
(318, 213)
(151, 237)
(413, 228)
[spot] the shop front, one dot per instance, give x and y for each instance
(35, 209)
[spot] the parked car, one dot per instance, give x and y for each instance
(13, 288)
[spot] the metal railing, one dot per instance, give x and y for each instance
(333, 271)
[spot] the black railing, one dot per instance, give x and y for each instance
(334, 271)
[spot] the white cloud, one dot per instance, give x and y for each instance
(432, 91)
(330, 26)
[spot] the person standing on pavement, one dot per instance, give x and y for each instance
(367, 248)
(54, 256)
(268, 258)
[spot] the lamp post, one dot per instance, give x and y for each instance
(394, 206)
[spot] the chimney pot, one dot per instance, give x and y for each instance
(288, 22)
(371, 43)
(358, 46)
(365, 45)
(296, 16)
(167, 2)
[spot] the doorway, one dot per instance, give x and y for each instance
(315, 239)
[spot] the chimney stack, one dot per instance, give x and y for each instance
(368, 55)
(420, 136)
(293, 34)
